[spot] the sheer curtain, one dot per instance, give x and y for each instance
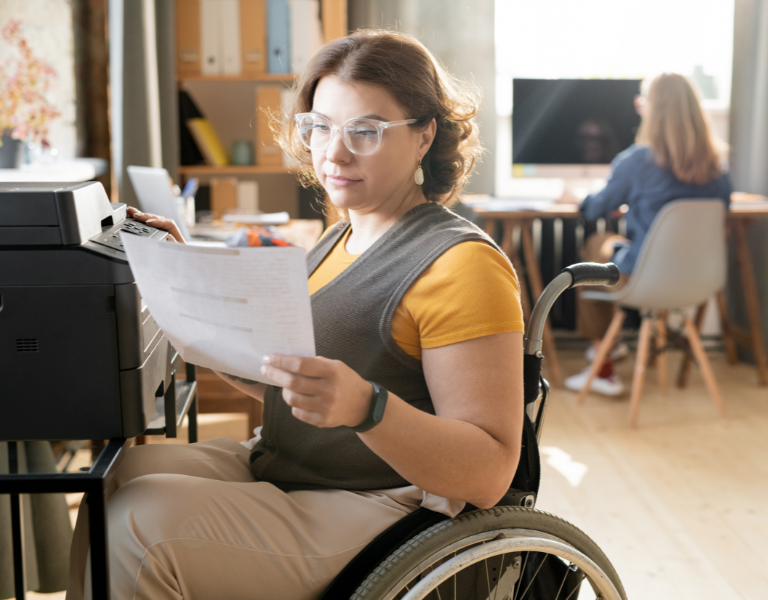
(749, 137)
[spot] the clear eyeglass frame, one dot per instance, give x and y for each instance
(345, 130)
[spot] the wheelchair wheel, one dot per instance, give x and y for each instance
(502, 553)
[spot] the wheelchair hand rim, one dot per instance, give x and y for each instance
(515, 544)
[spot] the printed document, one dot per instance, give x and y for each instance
(225, 308)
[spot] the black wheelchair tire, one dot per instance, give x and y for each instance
(401, 562)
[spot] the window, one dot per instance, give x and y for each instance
(611, 39)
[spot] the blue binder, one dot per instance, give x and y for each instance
(279, 37)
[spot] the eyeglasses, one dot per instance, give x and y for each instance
(360, 136)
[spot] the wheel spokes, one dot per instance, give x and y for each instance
(530, 583)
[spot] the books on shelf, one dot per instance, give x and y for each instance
(334, 19)
(188, 37)
(306, 32)
(208, 142)
(229, 36)
(210, 38)
(253, 37)
(232, 36)
(278, 37)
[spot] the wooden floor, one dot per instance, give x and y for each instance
(679, 505)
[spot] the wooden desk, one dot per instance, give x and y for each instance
(739, 217)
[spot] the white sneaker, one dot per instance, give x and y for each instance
(608, 386)
(620, 350)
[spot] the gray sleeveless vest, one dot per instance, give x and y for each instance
(353, 323)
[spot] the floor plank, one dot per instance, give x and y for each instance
(678, 505)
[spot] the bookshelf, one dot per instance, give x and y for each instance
(231, 98)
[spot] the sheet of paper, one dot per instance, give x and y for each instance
(225, 308)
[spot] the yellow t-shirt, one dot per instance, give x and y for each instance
(470, 291)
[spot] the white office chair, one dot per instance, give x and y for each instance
(682, 262)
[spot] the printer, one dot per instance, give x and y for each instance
(80, 355)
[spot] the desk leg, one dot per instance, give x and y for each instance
(97, 523)
(750, 298)
(661, 350)
(725, 324)
(509, 248)
(537, 287)
(17, 528)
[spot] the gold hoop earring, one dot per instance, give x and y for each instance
(419, 176)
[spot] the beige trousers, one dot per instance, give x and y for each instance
(189, 521)
(594, 316)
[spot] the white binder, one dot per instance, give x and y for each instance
(229, 35)
(210, 33)
(306, 32)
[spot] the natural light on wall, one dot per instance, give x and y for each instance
(611, 39)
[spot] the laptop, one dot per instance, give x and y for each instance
(153, 189)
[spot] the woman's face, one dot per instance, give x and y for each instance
(366, 183)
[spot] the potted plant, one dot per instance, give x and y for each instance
(25, 112)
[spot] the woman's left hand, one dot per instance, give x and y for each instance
(320, 391)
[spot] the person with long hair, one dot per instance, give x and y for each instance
(676, 155)
(415, 397)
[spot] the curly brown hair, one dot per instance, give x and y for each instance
(422, 87)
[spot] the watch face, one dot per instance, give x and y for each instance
(380, 404)
(376, 411)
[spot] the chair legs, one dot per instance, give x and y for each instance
(706, 369)
(643, 354)
(605, 347)
(641, 362)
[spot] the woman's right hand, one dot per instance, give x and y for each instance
(158, 222)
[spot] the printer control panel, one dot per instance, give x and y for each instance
(108, 242)
(110, 237)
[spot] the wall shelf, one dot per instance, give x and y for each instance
(206, 170)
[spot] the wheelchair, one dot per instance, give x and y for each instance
(508, 552)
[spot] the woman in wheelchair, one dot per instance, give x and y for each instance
(415, 398)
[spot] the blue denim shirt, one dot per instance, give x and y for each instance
(637, 181)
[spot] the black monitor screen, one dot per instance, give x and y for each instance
(572, 121)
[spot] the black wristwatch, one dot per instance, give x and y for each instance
(376, 411)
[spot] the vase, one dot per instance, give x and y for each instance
(242, 153)
(11, 152)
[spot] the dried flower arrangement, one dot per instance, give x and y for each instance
(25, 112)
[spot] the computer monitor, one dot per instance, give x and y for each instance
(571, 128)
